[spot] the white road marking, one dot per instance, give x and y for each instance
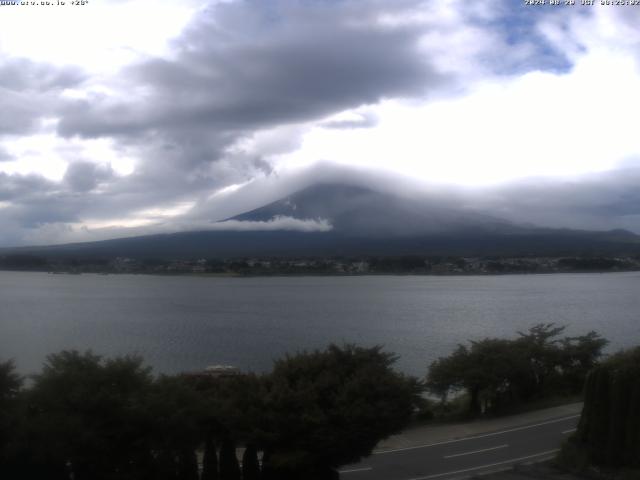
(569, 431)
(557, 420)
(513, 460)
(476, 451)
(353, 470)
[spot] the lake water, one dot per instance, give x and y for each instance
(186, 323)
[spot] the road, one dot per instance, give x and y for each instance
(464, 457)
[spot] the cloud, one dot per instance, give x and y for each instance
(601, 28)
(242, 73)
(30, 92)
(85, 176)
(244, 67)
(251, 92)
(600, 201)
(86, 36)
(22, 74)
(276, 223)
(23, 187)
(352, 119)
(5, 156)
(254, 64)
(18, 112)
(597, 201)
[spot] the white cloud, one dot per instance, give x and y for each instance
(276, 223)
(100, 36)
(503, 128)
(54, 233)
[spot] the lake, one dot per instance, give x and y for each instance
(184, 323)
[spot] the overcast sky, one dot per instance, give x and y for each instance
(131, 116)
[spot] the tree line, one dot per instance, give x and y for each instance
(497, 373)
(87, 417)
(94, 418)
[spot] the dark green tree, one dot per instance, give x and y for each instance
(268, 471)
(579, 356)
(88, 413)
(329, 408)
(175, 410)
(188, 465)
(166, 465)
(210, 460)
(609, 428)
(540, 346)
(495, 373)
(10, 382)
(229, 466)
(447, 374)
(490, 372)
(250, 464)
(10, 385)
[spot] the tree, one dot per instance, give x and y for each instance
(579, 356)
(10, 382)
(540, 346)
(88, 413)
(329, 408)
(188, 464)
(558, 365)
(497, 372)
(250, 465)
(489, 371)
(10, 385)
(174, 412)
(609, 428)
(234, 407)
(229, 467)
(210, 461)
(446, 374)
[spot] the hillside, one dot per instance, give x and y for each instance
(363, 222)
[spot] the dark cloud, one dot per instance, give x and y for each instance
(19, 112)
(320, 67)
(249, 65)
(21, 187)
(41, 212)
(85, 176)
(21, 74)
(30, 91)
(29, 203)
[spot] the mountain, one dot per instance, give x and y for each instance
(361, 212)
(363, 222)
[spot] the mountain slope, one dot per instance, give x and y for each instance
(364, 222)
(357, 211)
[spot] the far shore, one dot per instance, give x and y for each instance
(324, 274)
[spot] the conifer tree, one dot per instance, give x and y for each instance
(229, 467)
(210, 461)
(609, 429)
(166, 467)
(250, 464)
(188, 465)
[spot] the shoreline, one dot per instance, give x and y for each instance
(324, 274)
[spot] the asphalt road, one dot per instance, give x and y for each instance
(464, 457)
